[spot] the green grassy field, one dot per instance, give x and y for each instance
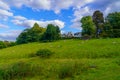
(97, 59)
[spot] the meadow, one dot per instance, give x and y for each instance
(96, 59)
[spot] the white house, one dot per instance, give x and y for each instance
(70, 35)
(78, 34)
(67, 35)
(64, 35)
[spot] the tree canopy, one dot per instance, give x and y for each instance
(52, 33)
(114, 20)
(88, 27)
(31, 35)
(98, 19)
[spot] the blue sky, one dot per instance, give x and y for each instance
(17, 15)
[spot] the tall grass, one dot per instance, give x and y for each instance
(19, 70)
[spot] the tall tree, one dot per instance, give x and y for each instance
(31, 35)
(23, 37)
(88, 27)
(58, 32)
(52, 33)
(114, 20)
(108, 31)
(98, 19)
(2, 45)
(35, 32)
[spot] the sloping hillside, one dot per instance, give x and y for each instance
(72, 60)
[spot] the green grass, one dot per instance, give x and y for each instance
(97, 59)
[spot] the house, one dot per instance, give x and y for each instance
(64, 35)
(77, 35)
(70, 35)
(67, 35)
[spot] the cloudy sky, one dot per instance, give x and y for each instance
(16, 15)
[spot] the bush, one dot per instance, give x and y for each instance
(2, 45)
(116, 33)
(86, 37)
(66, 71)
(70, 69)
(44, 53)
(5, 44)
(16, 70)
(19, 70)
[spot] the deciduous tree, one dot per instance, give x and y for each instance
(98, 19)
(88, 27)
(114, 20)
(52, 33)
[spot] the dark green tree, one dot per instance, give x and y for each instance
(33, 34)
(58, 32)
(24, 37)
(108, 31)
(88, 27)
(52, 33)
(114, 20)
(2, 45)
(98, 19)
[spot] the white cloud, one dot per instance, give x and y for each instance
(10, 35)
(55, 5)
(16, 3)
(34, 4)
(5, 13)
(78, 14)
(4, 6)
(39, 4)
(22, 21)
(19, 18)
(3, 26)
(58, 5)
(113, 7)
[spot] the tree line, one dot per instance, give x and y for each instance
(34, 34)
(5, 44)
(97, 26)
(37, 33)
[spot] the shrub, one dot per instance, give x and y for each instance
(66, 71)
(17, 70)
(116, 33)
(44, 53)
(86, 37)
(20, 69)
(70, 69)
(2, 45)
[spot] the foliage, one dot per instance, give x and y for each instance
(5, 44)
(108, 31)
(114, 20)
(31, 35)
(2, 45)
(16, 70)
(44, 53)
(19, 70)
(52, 33)
(98, 19)
(88, 27)
(68, 69)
